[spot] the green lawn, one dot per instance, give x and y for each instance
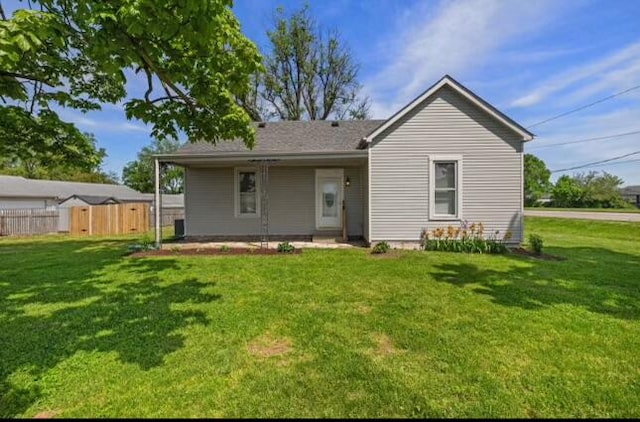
(623, 210)
(88, 332)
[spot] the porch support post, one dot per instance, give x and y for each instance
(157, 204)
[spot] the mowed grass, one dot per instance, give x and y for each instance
(616, 210)
(88, 332)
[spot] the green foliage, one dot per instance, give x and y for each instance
(588, 190)
(536, 243)
(139, 174)
(567, 192)
(145, 244)
(309, 74)
(39, 145)
(225, 248)
(286, 247)
(536, 179)
(466, 238)
(192, 56)
(380, 248)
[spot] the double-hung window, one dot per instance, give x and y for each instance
(445, 187)
(247, 188)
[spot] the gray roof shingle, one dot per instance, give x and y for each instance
(295, 136)
(15, 186)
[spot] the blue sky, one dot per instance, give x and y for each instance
(531, 59)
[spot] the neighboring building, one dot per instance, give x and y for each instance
(169, 200)
(84, 200)
(631, 194)
(446, 157)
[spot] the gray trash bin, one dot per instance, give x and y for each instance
(178, 227)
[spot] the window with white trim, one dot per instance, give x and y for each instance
(247, 193)
(445, 187)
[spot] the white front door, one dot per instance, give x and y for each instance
(329, 195)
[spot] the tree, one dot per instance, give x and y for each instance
(309, 74)
(57, 53)
(600, 190)
(536, 179)
(79, 161)
(567, 192)
(138, 174)
(589, 190)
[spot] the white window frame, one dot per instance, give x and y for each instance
(433, 159)
(236, 191)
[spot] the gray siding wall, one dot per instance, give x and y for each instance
(446, 123)
(209, 202)
(20, 203)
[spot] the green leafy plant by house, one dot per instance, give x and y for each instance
(536, 243)
(225, 248)
(286, 247)
(145, 244)
(380, 248)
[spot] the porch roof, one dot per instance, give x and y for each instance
(309, 158)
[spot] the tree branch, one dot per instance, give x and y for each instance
(149, 84)
(27, 77)
(150, 65)
(2, 15)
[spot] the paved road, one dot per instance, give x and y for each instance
(611, 216)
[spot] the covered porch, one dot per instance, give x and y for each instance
(317, 198)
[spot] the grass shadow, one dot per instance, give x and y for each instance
(61, 298)
(596, 279)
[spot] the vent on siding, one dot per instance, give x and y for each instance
(335, 124)
(262, 124)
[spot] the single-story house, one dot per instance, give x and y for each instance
(20, 192)
(631, 194)
(446, 157)
(83, 200)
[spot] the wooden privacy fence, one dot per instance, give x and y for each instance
(28, 221)
(109, 219)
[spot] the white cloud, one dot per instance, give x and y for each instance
(456, 38)
(618, 70)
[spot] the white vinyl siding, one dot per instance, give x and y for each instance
(209, 202)
(445, 124)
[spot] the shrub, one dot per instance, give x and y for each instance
(536, 243)
(145, 244)
(225, 248)
(467, 238)
(381, 247)
(286, 247)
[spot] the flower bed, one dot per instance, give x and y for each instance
(465, 238)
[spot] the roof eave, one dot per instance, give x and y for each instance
(281, 155)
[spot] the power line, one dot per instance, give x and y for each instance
(584, 106)
(596, 162)
(619, 162)
(579, 141)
